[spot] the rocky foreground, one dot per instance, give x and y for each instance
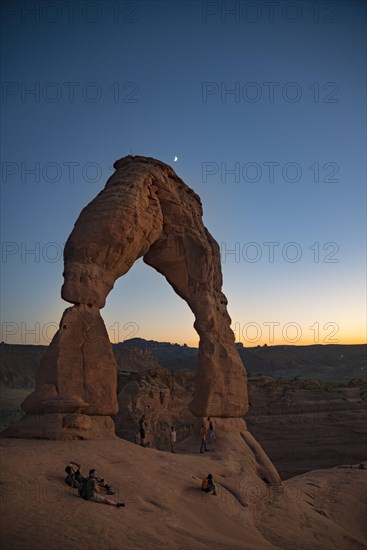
(320, 510)
(303, 425)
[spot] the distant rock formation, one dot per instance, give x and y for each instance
(132, 359)
(332, 363)
(145, 210)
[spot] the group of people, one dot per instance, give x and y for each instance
(207, 435)
(89, 487)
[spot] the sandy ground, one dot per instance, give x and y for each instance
(321, 510)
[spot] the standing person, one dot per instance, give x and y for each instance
(173, 438)
(211, 434)
(90, 490)
(142, 424)
(203, 433)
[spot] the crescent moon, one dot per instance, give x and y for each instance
(175, 159)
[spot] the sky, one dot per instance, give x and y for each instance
(264, 106)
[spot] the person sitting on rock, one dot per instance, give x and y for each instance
(75, 479)
(208, 485)
(90, 490)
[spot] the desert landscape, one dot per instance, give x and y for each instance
(288, 458)
(322, 509)
(330, 409)
(183, 275)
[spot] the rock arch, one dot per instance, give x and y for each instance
(145, 210)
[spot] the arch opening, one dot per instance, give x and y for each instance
(143, 305)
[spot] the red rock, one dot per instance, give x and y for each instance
(145, 210)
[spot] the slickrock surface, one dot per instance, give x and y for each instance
(165, 507)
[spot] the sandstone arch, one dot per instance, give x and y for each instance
(145, 210)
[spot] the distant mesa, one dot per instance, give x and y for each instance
(19, 362)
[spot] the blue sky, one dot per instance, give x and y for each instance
(266, 113)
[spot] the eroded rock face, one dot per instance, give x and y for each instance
(78, 370)
(145, 210)
(76, 381)
(163, 397)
